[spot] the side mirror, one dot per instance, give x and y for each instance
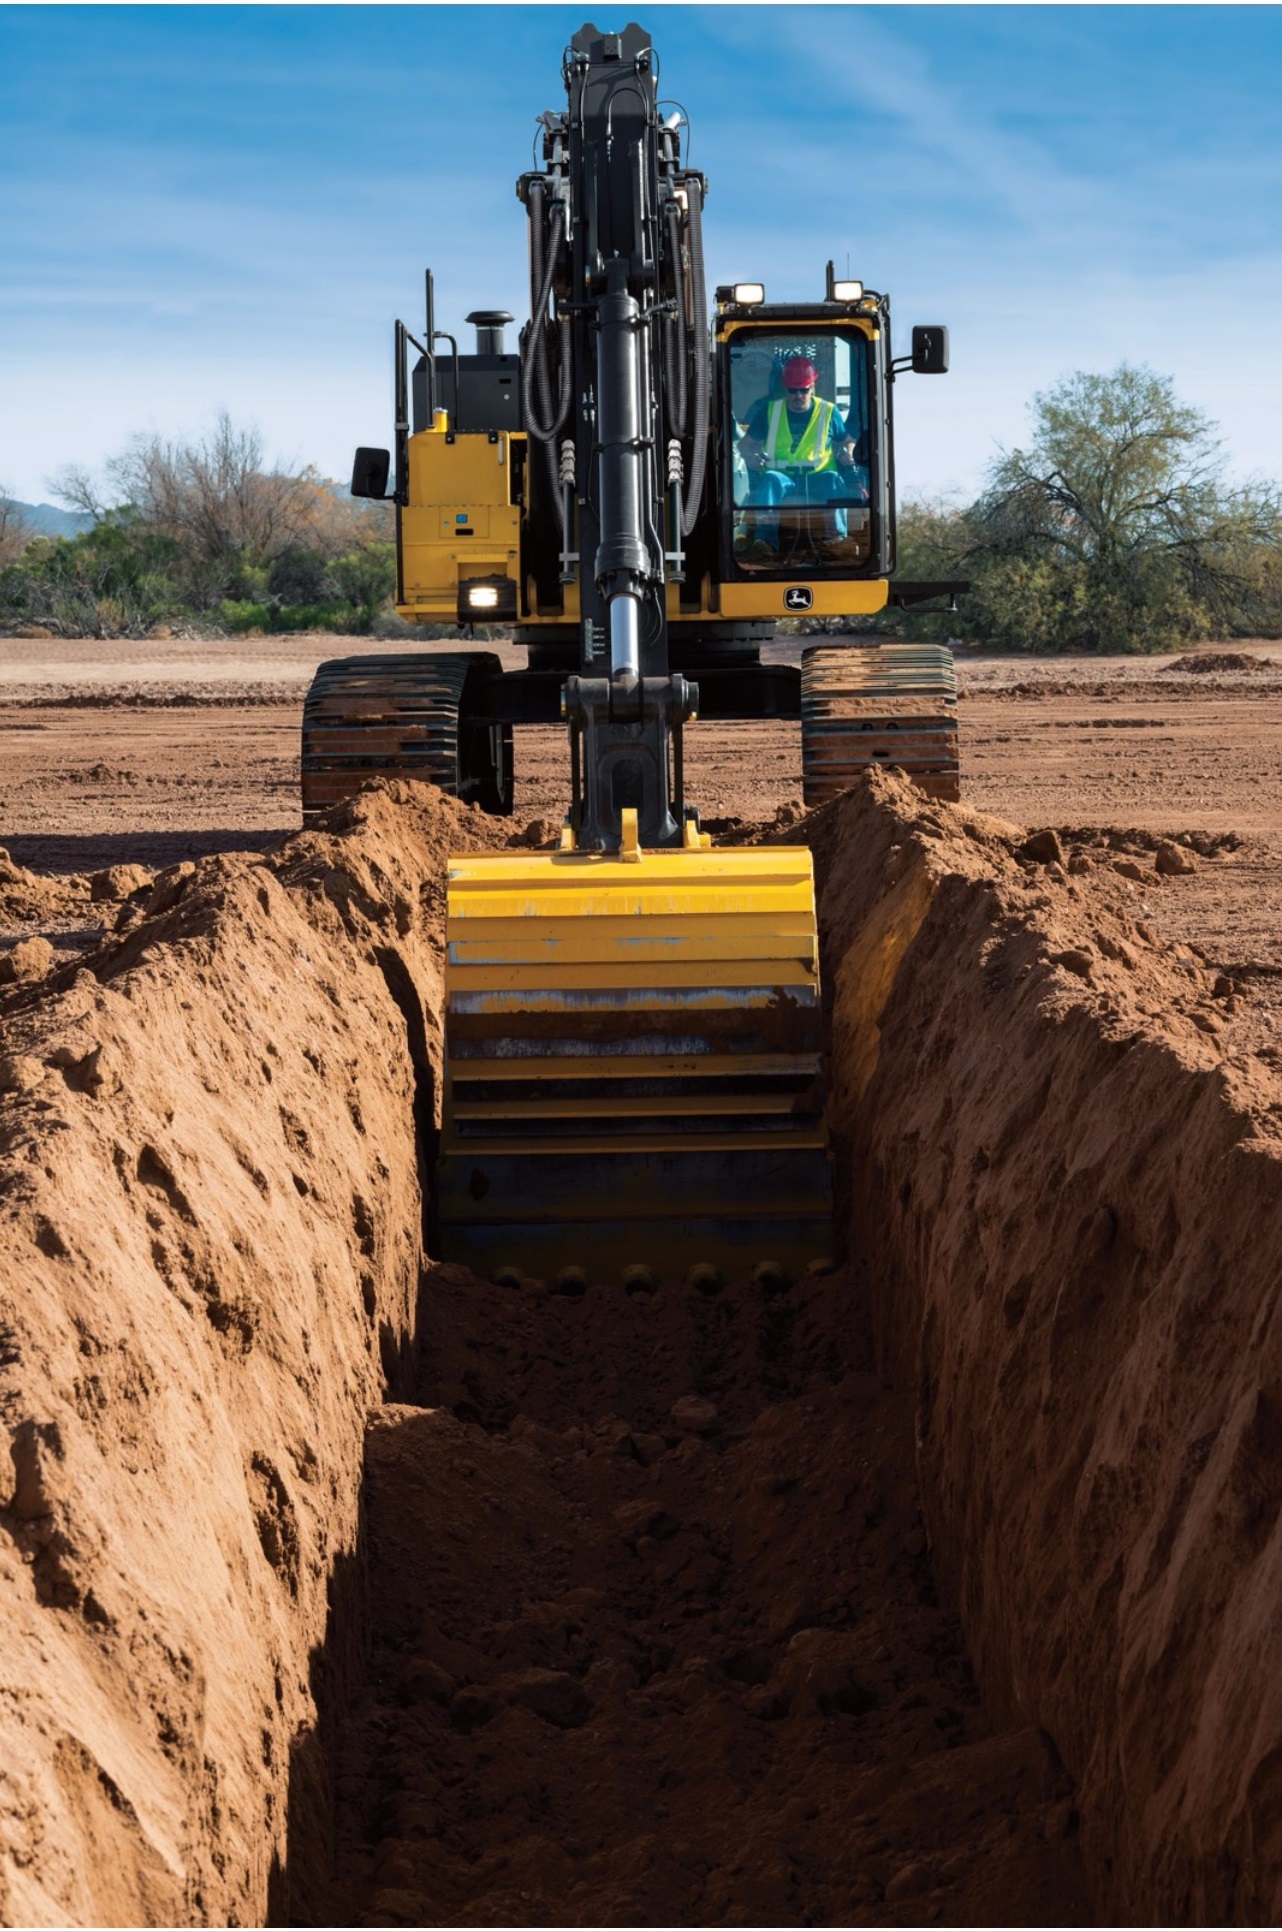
(930, 350)
(371, 468)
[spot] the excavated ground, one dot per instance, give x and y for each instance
(338, 1586)
(656, 1639)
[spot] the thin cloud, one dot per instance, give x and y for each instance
(233, 203)
(853, 56)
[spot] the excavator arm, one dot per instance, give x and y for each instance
(633, 1033)
(615, 392)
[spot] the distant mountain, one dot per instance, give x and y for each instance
(46, 520)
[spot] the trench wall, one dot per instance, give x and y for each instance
(1070, 1204)
(210, 1243)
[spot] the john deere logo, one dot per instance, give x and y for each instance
(798, 597)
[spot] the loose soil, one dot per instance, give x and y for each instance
(642, 1609)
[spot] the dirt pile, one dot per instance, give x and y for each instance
(211, 1205)
(30, 900)
(1070, 1203)
(1208, 663)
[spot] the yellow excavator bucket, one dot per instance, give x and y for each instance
(633, 1063)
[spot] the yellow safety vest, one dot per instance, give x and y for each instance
(812, 449)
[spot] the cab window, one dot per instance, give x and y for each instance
(799, 449)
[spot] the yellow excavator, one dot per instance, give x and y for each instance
(632, 1082)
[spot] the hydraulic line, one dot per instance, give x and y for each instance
(698, 297)
(535, 370)
(675, 334)
(537, 221)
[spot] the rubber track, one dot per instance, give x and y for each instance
(394, 717)
(892, 705)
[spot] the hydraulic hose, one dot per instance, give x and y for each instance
(675, 335)
(699, 330)
(536, 283)
(535, 370)
(536, 357)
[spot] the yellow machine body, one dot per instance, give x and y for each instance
(463, 519)
(633, 1063)
(460, 520)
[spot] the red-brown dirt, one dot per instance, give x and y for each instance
(657, 1639)
(645, 1587)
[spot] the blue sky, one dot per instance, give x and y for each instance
(224, 207)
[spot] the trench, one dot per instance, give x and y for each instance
(652, 1634)
(941, 1587)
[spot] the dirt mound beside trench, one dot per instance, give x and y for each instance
(212, 1240)
(1070, 1205)
(1208, 662)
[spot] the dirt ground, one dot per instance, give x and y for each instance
(687, 1661)
(652, 1626)
(143, 753)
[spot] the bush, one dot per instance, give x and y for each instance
(240, 616)
(366, 580)
(298, 575)
(117, 579)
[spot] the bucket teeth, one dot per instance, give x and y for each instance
(633, 1058)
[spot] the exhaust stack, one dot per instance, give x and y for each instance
(489, 324)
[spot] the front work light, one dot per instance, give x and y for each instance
(491, 596)
(847, 291)
(749, 294)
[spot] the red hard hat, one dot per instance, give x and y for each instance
(797, 371)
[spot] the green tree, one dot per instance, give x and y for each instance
(1114, 529)
(245, 546)
(366, 578)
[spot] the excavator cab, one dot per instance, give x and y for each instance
(802, 447)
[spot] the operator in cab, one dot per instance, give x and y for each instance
(797, 448)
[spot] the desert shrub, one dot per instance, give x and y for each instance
(117, 579)
(300, 575)
(366, 579)
(238, 616)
